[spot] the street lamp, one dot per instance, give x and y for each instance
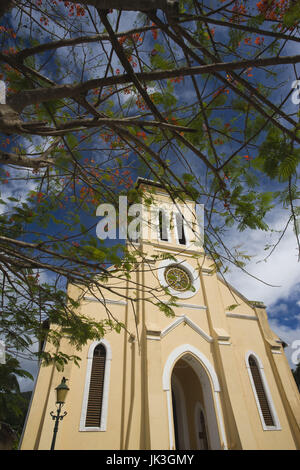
(61, 392)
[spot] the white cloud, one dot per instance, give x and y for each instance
(280, 272)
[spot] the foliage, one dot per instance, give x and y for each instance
(13, 403)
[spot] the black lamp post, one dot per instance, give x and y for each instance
(61, 392)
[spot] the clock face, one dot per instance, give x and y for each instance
(177, 278)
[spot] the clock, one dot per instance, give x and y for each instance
(177, 278)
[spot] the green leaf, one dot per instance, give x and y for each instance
(166, 309)
(292, 16)
(288, 167)
(232, 307)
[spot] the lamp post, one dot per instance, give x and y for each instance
(61, 392)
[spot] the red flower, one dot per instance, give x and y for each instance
(259, 41)
(154, 32)
(122, 39)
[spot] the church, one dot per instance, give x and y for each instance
(208, 377)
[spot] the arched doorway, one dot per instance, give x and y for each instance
(192, 387)
(187, 396)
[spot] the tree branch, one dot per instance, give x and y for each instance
(241, 27)
(19, 101)
(7, 158)
(167, 6)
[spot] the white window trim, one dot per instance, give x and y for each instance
(194, 275)
(104, 410)
(276, 426)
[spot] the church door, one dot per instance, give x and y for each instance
(194, 418)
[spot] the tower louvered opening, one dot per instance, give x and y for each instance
(261, 394)
(94, 407)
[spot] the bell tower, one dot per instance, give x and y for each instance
(170, 224)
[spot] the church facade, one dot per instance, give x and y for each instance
(209, 377)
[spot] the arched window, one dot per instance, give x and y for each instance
(163, 226)
(180, 229)
(262, 395)
(95, 399)
(94, 406)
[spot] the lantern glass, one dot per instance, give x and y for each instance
(61, 391)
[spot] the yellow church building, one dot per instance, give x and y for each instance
(209, 377)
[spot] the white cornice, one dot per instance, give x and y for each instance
(105, 301)
(241, 316)
(183, 305)
(124, 302)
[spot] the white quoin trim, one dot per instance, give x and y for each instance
(104, 410)
(276, 426)
(211, 389)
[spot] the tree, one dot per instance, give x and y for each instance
(199, 96)
(13, 404)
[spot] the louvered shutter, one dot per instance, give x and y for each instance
(261, 394)
(94, 407)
